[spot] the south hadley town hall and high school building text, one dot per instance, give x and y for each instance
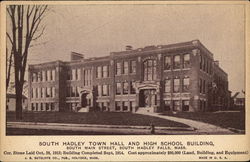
(174, 77)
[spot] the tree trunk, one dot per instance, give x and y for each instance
(19, 97)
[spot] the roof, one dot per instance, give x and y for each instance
(11, 95)
(239, 95)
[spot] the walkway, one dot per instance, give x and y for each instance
(201, 128)
(99, 129)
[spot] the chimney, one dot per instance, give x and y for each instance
(129, 48)
(76, 56)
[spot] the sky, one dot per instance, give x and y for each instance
(97, 30)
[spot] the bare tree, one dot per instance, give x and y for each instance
(26, 26)
(9, 62)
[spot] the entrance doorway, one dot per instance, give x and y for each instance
(84, 100)
(147, 98)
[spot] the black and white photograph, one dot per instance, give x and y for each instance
(125, 69)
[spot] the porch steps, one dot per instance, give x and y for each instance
(83, 109)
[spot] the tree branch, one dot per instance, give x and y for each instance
(11, 41)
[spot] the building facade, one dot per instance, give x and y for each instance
(175, 77)
(11, 102)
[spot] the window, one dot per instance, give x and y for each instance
(167, 105)
(50, 75)
(125, 106)
(167, 63)
(36, 106)
(132, 88)
(185, 87)
(32, 93)
(48, 92)
(167, 85)
(40, 76)
(176, 105)
(200, 85)
(204, 64)
(36, 92)
(105, 90)
(68, 91)
(201, 62)
(87, 77)
(186, 60)
(78, 74)
(73, 91)
(47, 106)
(118, 68)
(32, 106)
(105, 71)
(46, 75)
(53, 91)
(185, 105)
(69, 75)
(34, 77)
(118, 88)
(105, 106)
(39, 92)
(125, 67)
(177, 62)
(149, 70)
(52, 106)
(99, 90)
(125, 88)
(77, 93)
(204, 86)
(99, 72)
(133, 66)
(43, 76)
(132, 105)
(118, 105)
(177, 85)
(53, 75)
(41, 106)
(43, 93)
(73, 74)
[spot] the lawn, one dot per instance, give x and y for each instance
(106, 118)
(231, 119)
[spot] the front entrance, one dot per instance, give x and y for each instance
(84, 100)
(147, 98)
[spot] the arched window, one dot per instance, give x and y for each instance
(149, 67)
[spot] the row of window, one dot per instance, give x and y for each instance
(103, 106)
(125, 67)
(103, 90)
(202, 85)
(43, 76)
(149, 67)
(177, 83)
(205, 65)
(176, 104)
(43, 106)
(124, 105)
(102, 71)
(43, 92)
(125, 88)
(177, 61)
(74, 74)
(72, 106)
(72, 91)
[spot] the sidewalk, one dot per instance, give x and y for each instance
(201, 128)
(112, 129)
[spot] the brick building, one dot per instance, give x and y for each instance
(175, 77)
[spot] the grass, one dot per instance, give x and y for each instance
(106, 118)
(232, 119)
